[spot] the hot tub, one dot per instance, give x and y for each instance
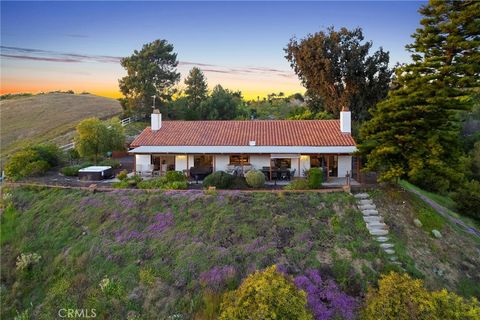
(95, 173)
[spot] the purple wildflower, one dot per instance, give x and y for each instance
(325, 299)
(90, 202)
(162, 222)
(217, 278)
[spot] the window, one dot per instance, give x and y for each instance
(239, 159)
(281, 163)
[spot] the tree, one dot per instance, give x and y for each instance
(150, 71)
(414, 133)
(265, 294)
(96, 137)
(197, 89)
(221, 105)
(336, 68)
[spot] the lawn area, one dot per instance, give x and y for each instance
(151, 250)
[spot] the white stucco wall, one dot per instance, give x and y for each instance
(344, 165)
(259, 161)
(180, 162)
(221, 162)
(142, 162)
(304, 164)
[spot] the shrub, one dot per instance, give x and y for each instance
(468, 199)
(219, 179)
(171, 176)
(401, 297)
(33, 160)
(325, 299)
(115, 164)
(71, 171)
(300, 184)
(315, 177)
(25, 260)
(177, 185)
(255, 178)
(165, 182)
(122, 175)
(264, 294)
(238, 182)
(130, 182)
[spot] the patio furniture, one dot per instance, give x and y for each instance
(199, 173)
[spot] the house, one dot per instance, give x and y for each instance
(280, 148)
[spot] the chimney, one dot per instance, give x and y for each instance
(345, 120)
(156, 120)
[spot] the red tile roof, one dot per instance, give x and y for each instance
(239, 133)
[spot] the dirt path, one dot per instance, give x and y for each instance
(444, 212)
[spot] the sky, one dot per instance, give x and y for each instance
(47, 46)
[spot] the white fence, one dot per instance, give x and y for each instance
(123, 122)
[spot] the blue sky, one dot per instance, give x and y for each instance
(238, 44)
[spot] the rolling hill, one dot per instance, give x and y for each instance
(48, 117)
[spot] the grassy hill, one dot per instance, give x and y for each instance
(153, 250)
(48, 117)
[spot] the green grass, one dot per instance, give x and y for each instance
(153, 247)
(443, 200)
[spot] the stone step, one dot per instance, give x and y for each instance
(389, 251)
(370, 212)
(379, 225)
(361, 195)
(386, 245)
(367, 207)
(378, 232)
(382, 239)
(370, 219)
(365, 201)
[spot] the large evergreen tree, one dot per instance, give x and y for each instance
(222, 104)
(197, 89)
(337, 70)
(150, 71)
(414, 132)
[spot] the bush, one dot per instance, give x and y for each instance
(115, 164)
(300, 184)
(122, 175)
(264, 294)
(315, 177)
(468, 199)
(31, 161)
(219, 179)
(171, 176)
(130, 182)
(238, 183)
(71, 171)
(325, 299)
(255, 178)
(401, 297)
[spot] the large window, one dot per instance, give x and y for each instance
(239, 159)
(282, 163)
(318, 161)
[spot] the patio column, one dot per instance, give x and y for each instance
(270, 167)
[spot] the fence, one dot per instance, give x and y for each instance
(68, 146)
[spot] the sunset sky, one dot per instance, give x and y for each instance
(49, 46)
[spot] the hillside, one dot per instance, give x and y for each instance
(162, 254)
(48, 117)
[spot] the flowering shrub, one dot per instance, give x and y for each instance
(400, 297)
(26, 260)
(217, 278)
(325, 299)
(265, 294)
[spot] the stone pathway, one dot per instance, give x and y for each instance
(375, 225)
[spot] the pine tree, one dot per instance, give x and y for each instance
(413, 133)
(197, 89)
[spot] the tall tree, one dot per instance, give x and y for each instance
(414, 132)
(197, 88)
(336, 68)
(150, 71)
(222, 104)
